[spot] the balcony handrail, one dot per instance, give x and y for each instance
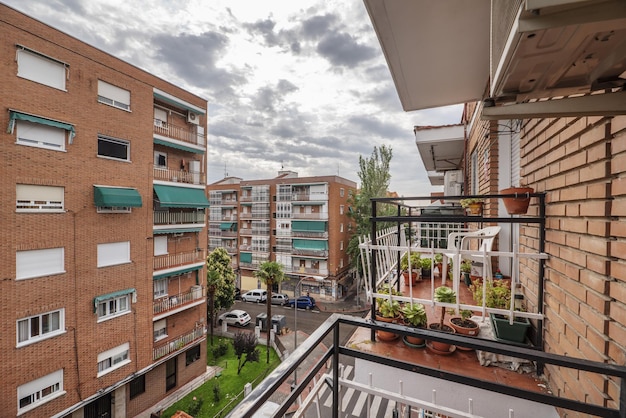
(165, 261)
(174, 301)
(179, 176)
(177, 343)
(182, 133)
(273, 381)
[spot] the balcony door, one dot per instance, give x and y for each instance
(170, 374)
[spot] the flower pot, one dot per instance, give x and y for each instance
(515, 332)
(386, 335)
(425, 274)
(414, 277)
(517, 205)
(437, 346)
(475, 209)
(464, 327)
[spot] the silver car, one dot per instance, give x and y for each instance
(280, 299)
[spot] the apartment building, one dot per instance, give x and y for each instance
(300, 222)
(104, 229)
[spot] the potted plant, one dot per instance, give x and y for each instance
(498, 295)
(438, 262)
(414, 315)
(473, 204)
(466, 269)
(414, 267)
(519, 204)
(443, 294)
(387, 310)
(426, 265)
(462, 324)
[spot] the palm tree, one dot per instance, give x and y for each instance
(213, 279)
(270, 273)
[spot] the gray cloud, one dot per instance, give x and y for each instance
(343, 50)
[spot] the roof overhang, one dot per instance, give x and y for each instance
(441, 147)
(437, 51)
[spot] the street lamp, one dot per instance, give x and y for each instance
(295, 321)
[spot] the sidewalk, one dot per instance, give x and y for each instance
(345, 305)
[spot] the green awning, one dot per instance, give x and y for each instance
(308, 226)
(226, 225)
(178, 146)
(176, 231)
(181, 197)
(116, 197)
(305, 244)
(111, 295)
(182, 270)
(14, 115)
(245, 257)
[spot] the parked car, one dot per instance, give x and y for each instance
(306, 302)
(279, 299)
(236, 317)
(256, 295)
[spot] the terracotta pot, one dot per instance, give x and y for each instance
(439, 346)
(476, 209)
(386, 335)
(516, 205)
(418, 341)
(414, 276)
(461, 327)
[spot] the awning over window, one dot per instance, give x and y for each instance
(305, 244)
(116, 196)
(14, 115)
(308, 226)
(226, 225)
(181, 197)
(245, 257)
(178, 146)
(111, 295)
(175, 231)
(182, 270)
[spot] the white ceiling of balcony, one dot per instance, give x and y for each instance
(437, 51)
(441, 147)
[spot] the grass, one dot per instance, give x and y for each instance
(229, 383)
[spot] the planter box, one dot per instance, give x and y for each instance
(504, 331)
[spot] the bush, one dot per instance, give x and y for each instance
(219, 350)
(195, 406)
(216, 392)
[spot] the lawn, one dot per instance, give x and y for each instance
(229, 386)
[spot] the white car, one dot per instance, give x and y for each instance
(256, 295)
(236, 317)
(279, 299)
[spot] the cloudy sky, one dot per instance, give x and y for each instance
(298, 84)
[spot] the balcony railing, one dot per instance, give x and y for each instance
(177, 217)
(176, 301)
(245, 215)
(306, 270)
(313, 253)
(304, 197)
(297, 215)
(178, 343)
(302, 234)
(165, 261)
(182, 133)
(229, 233)
(178, 176)
(479, 390)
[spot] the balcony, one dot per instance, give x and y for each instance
(433, 385)
(186, 133)
(178, 217)
(245, 215)
(178, 176)
(310, 252)
(309, 234)
(297, 215)
(308, 197)
(178, 301)
(306, 270)
(166, 261)
(178, 343)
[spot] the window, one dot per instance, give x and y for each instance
(117, 149)
(39, 391)
(38, 135)
(341, 192)
(114, 306)
(160, 117)
(40, 327)
(34, 198)
(113, 359)
(137, 386)
(38, 263)
(341, 227)
(341, 209)
(160, 288)
(113, 95)
(160, 330)
(192, 355)
(40, 68)
(160, 245)
(113, 253)
(160, 160)
(474, 173)
(341, 245)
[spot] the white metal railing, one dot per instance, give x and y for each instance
(178, 176)
(177, 343)
(180, 299)
(161, 262)
(171, 217)
(182, 133)
(321, 215)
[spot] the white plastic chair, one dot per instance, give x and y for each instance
(460, 241)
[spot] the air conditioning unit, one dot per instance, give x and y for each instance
(453, 183)
(178, 234)
(193, 118)
(551, 48)
(160, 123)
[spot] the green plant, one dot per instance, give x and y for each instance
(466, 266)
(426, 263)
(465, 314)
(415, 261)
(415, 315)
(438, 258)
(195, 405)
(388, 308)
(443, 294)
(471, 201)
(497, 293)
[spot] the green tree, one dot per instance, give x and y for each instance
(374, 179)
(245, 343)
(270, 273)
(220, 284)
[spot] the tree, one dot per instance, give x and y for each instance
(375, 178)
(220, 286)
(245, 343)
(270, 273)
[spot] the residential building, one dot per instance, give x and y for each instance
(300, 222)
(104, 230)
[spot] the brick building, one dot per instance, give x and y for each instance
(103, 214)
(301, 222)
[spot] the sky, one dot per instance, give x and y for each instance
(298, 85)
